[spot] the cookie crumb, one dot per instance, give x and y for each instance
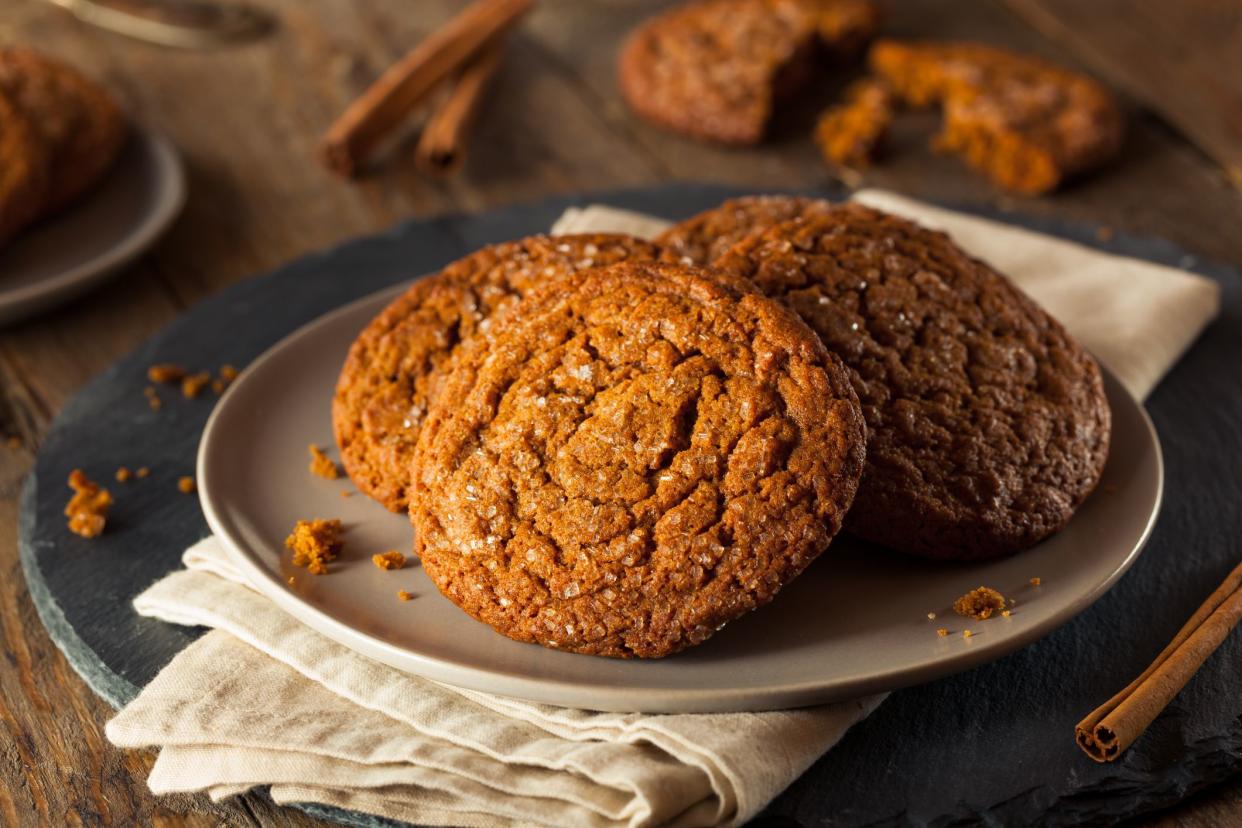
(322, 465)
(392, 559)
(346, 493)
(931, 616)
(1036, 581)
(942, 632)
(123, 474)
(292, 581)
(167, 373)
(194, 384)
(153, 399)
(186, 485)
(405, 596)
(966, 633)
(1006, 613)
(224, 378)
(979, 603)
(87, 510)
(142, 472)
(315, 543)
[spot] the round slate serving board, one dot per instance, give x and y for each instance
(994, 744)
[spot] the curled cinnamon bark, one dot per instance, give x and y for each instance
(1111, 728)
(441, 147)
(368, 120)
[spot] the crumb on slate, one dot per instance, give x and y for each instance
(166, 372)
(1036, 581)
(315, 543)
(322, 465)
(142, 472)
(185, 485)
(966, 633)
(931, 616)
(153, 399)
(194, 384)
(942, 632)
(87, 510)
(123, 474)
(392, 559)
(405, 596)
(979, 603)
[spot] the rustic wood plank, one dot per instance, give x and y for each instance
(1195, 82)
(247, 120)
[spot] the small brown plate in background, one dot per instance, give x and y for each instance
(66, 254)
(856, 622)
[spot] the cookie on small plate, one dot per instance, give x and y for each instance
(394, 366)
(629, 461)
(77, 121)
(23, 170)
(700, 239)
(716, 69)
(987, 421)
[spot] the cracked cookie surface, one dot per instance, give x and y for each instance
(716, 69)
(628, 462)
(394, 367)
(1026, 123)
(700, 239)
(23, 170)
(77, 121)
(987, 422)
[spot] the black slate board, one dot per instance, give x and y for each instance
(993, 745)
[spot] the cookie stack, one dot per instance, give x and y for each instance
(59, 134)
(615, 447)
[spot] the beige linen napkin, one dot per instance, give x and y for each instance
(263, 700)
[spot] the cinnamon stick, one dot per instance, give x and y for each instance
(365, 123)
(441, 147)
(1113, 727)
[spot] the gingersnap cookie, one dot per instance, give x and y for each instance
(630, 460)
(77, 121)
(1028, 124)
(23, 170)
(394, 366)
(701, 238)
(987, 421)
(716, 69)
(851, 133)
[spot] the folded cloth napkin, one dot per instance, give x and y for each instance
(263, 700)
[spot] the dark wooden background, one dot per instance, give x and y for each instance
(247, 120)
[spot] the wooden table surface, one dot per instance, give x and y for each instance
(247, 119)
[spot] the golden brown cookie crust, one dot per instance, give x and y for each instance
(78, 121)
(987, 422)
(23, 170)
(851, 133)
(700, 239)
(627, 463)
(394, 366)
(714, 69)
(1028, 124)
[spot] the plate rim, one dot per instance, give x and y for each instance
(24, 300)
(632, 699)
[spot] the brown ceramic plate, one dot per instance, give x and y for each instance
(64, 255)
(855, 623)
